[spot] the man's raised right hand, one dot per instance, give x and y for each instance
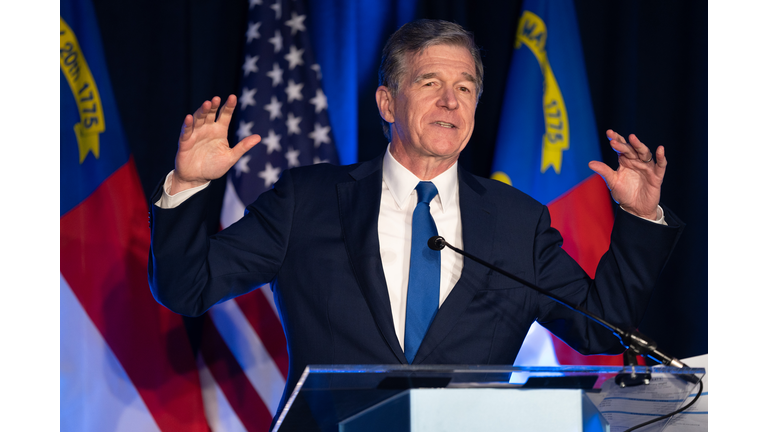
(204, 152)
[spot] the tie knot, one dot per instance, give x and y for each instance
(425, 191)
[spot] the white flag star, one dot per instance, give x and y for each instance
(296, 23)
(253, 31)
(272, 142)
(242, 165)
(274, 107)
(277, 41)
(276, 74)
(316, 160)
(294, 57)
(294, 91)
(250, 65)
(320, 135)
(270, 174)
(277, 8)
(244, 130)
(293, 124)
(293, 157)
(316, 67)
(319, 101)
(254, 3)
(246, 99)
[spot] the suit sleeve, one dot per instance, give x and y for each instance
(623, 283)
(190, 271)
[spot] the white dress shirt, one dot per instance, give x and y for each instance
(398, 200)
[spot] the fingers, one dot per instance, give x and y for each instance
(201, 114)
(633, 149)
(605, 172)
(210, 116)
(641, 150)
(186, 128)
(246, 144)
(226, 112)
(661, 158)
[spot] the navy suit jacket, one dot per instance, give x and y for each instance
(314, 238)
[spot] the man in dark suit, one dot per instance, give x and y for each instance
(343, 247)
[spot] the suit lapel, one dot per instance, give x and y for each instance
(359, 202)
(477, 224)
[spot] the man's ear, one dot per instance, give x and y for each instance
(386, 104)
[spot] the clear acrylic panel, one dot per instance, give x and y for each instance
(327, 395)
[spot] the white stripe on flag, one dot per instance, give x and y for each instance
(267, 292)
(232, 209)
(96, 393)
(248, 350)
(221, 417)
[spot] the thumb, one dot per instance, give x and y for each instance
(246, 144)
(608, 175)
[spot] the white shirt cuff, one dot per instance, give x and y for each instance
(168, 201)
(659, 216)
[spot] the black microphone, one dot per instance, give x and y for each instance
(630, 339)
(436, 243)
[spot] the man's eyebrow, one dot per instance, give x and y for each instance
(468, 76)
(425, 76)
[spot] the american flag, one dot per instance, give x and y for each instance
(243, 360)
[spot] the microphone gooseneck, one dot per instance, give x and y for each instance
(630, 339)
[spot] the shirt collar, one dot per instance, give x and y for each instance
(401, 182)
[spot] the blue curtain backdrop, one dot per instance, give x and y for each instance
(647, 72)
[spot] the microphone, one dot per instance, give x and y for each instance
(436, 243)
(630, 339)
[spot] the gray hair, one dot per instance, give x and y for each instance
(415, 37)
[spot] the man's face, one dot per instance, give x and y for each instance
(433, 114)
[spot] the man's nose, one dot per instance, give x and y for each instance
(448, 99)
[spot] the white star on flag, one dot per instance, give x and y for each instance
(253, 31)
(316, 160)
(294, 91)
(274, 108)
(242, 165)
(296, 23)
(316, 67)
(254, 3)
(272, 141)
(270, 174)
(320, 135)
(244, 130)
(294, 57)
(250, 65)
(277, 41)
(247, 98)
(277, 8)
(293, 124)
(319, 101)
(293, 157)
(276, 74)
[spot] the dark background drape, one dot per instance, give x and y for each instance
(646, 63)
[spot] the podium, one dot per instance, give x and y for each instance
(426, 398)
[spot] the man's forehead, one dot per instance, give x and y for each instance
(419, 62)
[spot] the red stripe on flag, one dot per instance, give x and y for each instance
(265, 322)
(584, 216)
(242, 397)
(104, 248)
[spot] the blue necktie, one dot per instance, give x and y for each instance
(424, 273)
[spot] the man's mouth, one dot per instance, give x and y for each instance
(444, 124)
